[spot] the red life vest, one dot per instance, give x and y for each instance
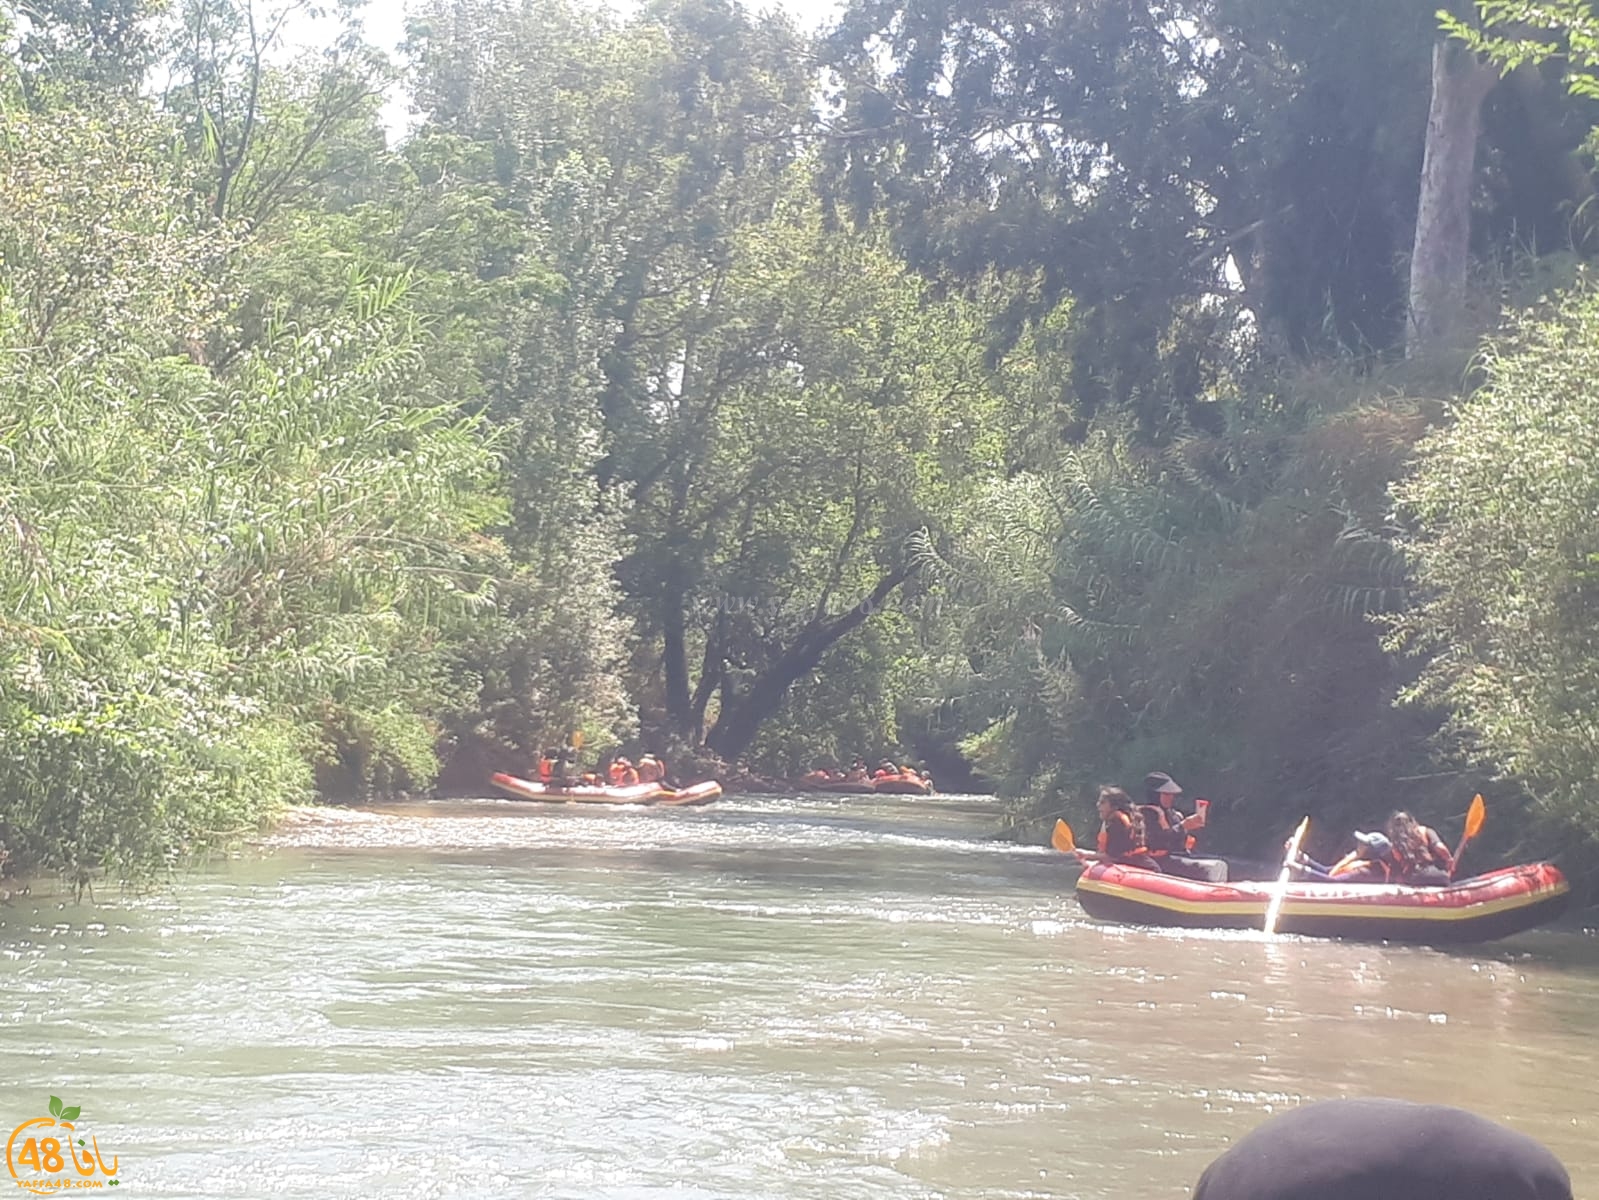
(546, 770)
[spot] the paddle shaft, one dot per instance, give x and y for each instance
(1275, 908)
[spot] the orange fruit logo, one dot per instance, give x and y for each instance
(46, 1155)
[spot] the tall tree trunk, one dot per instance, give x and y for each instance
(741, 719)
(1441, 252)
(674, 651)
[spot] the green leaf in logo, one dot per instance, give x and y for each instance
(81, 1142)
(71, 1114)
(55, 1106)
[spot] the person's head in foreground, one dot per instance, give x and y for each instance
(1383, 1150)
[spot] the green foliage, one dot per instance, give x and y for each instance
(1236, 176)
(1203, 608)
(209, 573)
(1517, 33)
(1504, 548)
(773, 405)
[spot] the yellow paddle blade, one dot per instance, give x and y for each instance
(1475, 816)
(577, 740)
(1062, 838)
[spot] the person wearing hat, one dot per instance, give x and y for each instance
(1170, 832)
(1371, 861)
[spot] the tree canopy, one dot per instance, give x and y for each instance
(1056, 391)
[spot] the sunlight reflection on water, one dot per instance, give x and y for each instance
(770, 997)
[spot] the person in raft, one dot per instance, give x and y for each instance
(1371, 861)
(549, 768)
(1121, 833)
(1170, 833)
(1425, 859)
(651, 769)
(1373, 1149)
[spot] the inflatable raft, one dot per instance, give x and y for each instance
(837, 787)
(902, 787)
(638, 793)
(1479, 909)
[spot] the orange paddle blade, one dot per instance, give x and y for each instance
(1475, 816)
(1062, 838)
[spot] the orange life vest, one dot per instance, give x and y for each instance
(1128, 842)
(616, 770)
(546, 769)
(1352, 862)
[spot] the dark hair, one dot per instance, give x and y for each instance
(1404, 833)
(1122, 802)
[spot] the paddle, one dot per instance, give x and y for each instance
(1062, 838)
(1475, 816)
(1275, 908)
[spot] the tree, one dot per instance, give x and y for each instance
(1503, 548)
(1441, 254)
(749, 359)
(271, 132)
(215, 579)
(1200, 179)
(73, 51)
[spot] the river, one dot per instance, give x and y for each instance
(766, 999)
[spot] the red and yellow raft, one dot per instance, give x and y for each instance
(902, 786)
(1479, 909)
(638, 793)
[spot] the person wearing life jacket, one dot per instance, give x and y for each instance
(1121, 833)
(886, 770)
(1170, 832)
(617, 771)
(1425, 858)
(650, 769)
(1371, 861)
(857, 772)
(547, 768)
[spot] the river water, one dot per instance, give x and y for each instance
(766, 999)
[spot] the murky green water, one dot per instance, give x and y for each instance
(766, 998)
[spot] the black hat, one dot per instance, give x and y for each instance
(1159, 781)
